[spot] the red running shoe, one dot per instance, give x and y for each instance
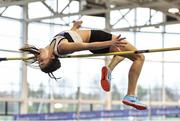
(105, 78)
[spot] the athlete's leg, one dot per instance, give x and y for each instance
(106, 70)
(135, 69)
(115, 61)
(134, 72)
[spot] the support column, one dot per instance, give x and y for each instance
(163, 80)
(108, 99)
(24, 93)
(108, 16)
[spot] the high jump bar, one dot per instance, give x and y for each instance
(122, 53)
(16, 58)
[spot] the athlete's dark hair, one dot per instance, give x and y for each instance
(52, 66)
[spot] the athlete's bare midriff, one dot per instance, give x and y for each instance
(85, 35)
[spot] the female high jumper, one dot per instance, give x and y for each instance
(96, 41)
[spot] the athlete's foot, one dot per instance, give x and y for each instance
(77, 24)
(134, 102)
(105, 78)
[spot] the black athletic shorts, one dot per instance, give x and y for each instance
(99, 36)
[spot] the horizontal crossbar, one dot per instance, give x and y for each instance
(123, 53)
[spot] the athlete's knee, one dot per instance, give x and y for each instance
(140, 57)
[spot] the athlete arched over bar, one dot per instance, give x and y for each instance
(96, 41)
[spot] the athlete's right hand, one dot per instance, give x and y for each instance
(118, 41)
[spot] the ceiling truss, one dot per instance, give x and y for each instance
(102, 7)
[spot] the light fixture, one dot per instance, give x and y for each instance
(58, 105)
(173, 10)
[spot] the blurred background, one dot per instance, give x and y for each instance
(146, 24)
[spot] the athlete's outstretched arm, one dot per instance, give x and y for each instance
(66, 47)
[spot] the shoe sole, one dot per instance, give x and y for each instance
(104, 79)
(139, 107)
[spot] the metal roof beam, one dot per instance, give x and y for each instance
(93, 11)
(134, 28)
(169, 14)
(49, 8)
(19, 2)
(86, 12)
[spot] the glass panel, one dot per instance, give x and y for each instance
(2, 107)
(37, 9)
(171, 40)
(39, 34)
(10, 38)
(13, 108)
(175, 28)
(14, 12)
(38, 108)
(98, 22)
(122, 18)
(157, 17)
(62, 6)
(171, 68)
(72, 8)
(10, 70)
